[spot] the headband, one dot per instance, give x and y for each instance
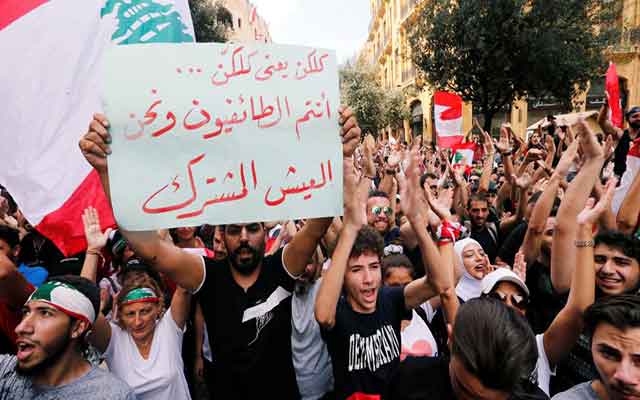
(65, 298)
(141, 295)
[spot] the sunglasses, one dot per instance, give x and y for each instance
(518, 301)
(377, 210)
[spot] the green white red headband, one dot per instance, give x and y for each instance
(65, 298)
(141, 295)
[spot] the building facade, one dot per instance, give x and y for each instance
(248, 25)
(388, 51)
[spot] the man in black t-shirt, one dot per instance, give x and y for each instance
(482, 230)
(246, 300)
(362, 326)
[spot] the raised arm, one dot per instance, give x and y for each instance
(627, 218)
(301, 248)
(562, 254)
(186, 269)
(489, 151)
(96, 240)
(413, 205)
(568, 324)
(355, 199)
(542, 209)
(606, 125)
(180, 306)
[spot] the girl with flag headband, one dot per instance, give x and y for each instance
(143, 345)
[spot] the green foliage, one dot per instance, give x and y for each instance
(396, 110)
(360, 90)
(211, 21)
(492, 52)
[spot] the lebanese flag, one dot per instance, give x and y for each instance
(612, 90)
(51, 86)
(633, 167)
(463, 155)
(448, 119)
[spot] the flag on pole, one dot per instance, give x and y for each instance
(463, 156)
(633, 167)
(448, 118)
(612, 90)
(51, 86)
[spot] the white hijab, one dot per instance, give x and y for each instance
(468, 287)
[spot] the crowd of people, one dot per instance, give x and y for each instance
(515, 276)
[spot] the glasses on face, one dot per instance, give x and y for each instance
(377, 210)
(518, 301)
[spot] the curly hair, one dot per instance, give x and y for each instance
(368, 240)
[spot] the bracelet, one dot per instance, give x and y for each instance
(507, 153)
(390, 171)
(94, 252)
(369, 176)
(584, 243)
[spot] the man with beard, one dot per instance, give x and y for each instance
(246, 299)
(380, 216)
(622, 138)
(14, 291)
(613, 324)
(49, 364)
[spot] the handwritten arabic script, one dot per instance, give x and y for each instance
(222, 133)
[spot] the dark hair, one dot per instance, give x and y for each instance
(378, 193)
(426, 176)
(627, 244)
(396, 261)
(84, 286)
(621, 311)
(368, 240)
(9, 235)
(477, 196)
(495, 344)
(13, 207)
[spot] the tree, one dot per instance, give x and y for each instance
(360, 90)
(396, 110)
(211, 21)
(492, 52)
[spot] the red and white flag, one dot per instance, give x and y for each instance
(448, 118)
(612, 90)
(633, 168)
(463, 156)
(50, 86)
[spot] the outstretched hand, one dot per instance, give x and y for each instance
(592, 210)
(96, 239)
(520, 266)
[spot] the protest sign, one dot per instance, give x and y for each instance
(222, 133)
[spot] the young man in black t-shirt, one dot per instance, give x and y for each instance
(362, 327)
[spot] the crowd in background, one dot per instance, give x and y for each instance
(514, 275)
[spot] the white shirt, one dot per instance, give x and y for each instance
(542, 366)
(160, 376)
(417, 339)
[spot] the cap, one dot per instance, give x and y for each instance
(632, 110)
(502, 275)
